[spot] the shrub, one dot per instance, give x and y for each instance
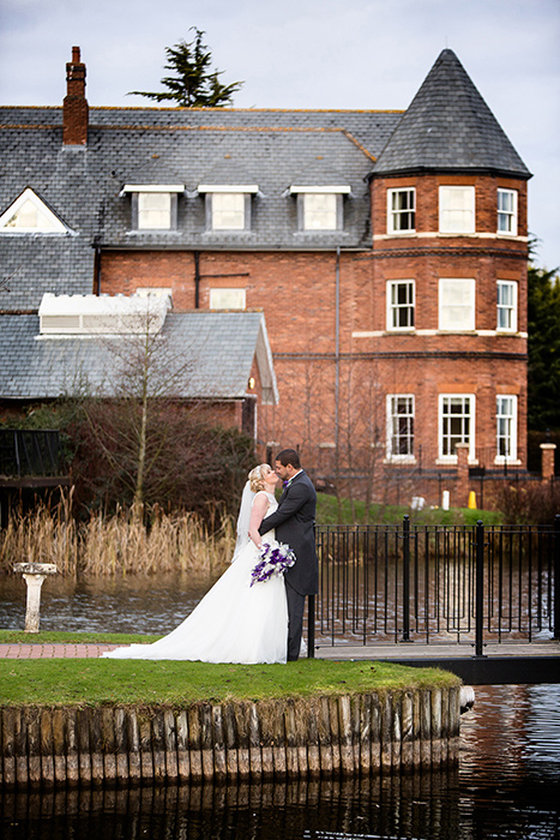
(531, 502)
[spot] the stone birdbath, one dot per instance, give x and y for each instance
(34, 574)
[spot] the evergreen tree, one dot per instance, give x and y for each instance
(193, 83)
(544, 349)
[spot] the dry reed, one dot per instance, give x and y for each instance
(116, 545)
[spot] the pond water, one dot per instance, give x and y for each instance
(507, 785)
(106, 605)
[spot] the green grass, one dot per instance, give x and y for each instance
(77, 637)
(92, 682)
(328, 513)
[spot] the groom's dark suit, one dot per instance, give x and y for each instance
(293, 522)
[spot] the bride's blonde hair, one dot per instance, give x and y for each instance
(256, 477)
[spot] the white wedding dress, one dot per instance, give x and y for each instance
(234, 622)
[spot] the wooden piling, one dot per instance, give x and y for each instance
(243, 740)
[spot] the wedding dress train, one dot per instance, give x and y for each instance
(234, 622)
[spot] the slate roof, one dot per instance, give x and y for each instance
(83, 186)
(369, 128)
(218, 347)
(449, 127)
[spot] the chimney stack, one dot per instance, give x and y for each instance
(75, 111)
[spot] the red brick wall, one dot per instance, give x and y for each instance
(297, 293)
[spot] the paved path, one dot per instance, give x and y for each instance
(417, 650)
(67, 650)
(402, 651)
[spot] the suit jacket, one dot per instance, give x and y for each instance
(294, 522)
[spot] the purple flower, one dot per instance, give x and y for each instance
(274, 559)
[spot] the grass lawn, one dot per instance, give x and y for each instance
(90, 682)
(77, 637)
(328, 513)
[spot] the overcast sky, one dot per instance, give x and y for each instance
(310, 54)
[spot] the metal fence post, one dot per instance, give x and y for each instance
(479, 588)
(556, 562)
(311, 627)
(406, 578)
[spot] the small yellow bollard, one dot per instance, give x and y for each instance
(472, 500)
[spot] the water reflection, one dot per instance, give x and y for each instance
(409, 807)
(507, 785)
(119, 605)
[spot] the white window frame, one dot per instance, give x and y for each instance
(51, 222)
(308, 219)
(446, 323)
(231, 298)
(396, 215)
(457, 208)
(394, 308)
(145, 190)
(394, 435)
(241, 217)
(154, 217)
(506, 429)
(319, 212)
(447, 436)
(507, 216)
(506, 312)
(235, 217)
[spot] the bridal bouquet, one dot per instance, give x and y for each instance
(274, 559)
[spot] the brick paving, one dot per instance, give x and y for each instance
(67, 650)
(91, 650)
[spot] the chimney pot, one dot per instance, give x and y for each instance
(75, 55)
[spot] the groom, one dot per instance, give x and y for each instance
(293, 522)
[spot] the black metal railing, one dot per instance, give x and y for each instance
(435, 584)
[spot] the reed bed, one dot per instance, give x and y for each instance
(119, 544)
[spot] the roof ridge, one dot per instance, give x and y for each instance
(226, 110)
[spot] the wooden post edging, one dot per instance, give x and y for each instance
(313, 736)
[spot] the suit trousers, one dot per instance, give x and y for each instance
(296, 603)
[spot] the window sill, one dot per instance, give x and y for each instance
(451, 460)
(216, 234)
(397, 460)
(153, 231)
(305, 234)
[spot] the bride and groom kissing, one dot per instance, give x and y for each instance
(261, 623)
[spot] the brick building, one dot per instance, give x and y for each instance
(386, 249)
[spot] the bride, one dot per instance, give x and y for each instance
(234, 622)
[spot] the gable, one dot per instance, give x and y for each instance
(29, 214)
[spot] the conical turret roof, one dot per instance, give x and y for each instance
(449, 127)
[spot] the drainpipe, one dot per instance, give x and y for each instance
(196, 255)
(97, 266)
(337, 356)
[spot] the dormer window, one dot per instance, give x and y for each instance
(153, 206)
(29, 214)
(228, 207)
(320, 208)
